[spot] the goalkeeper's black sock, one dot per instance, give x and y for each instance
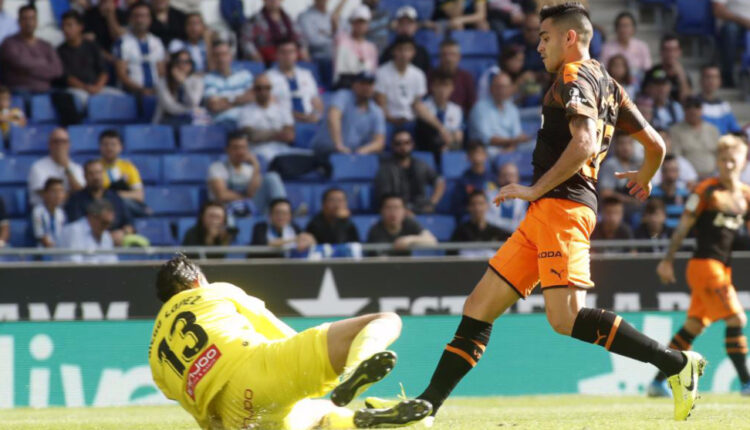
(459, 357)
(683, 341)
(609, 330)
(736, 344)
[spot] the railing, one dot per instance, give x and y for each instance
(599, 248)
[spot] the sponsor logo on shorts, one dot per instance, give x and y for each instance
(550, 254)
(556, 273)
(248, 422)
(200, 367)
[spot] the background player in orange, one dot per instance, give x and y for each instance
(717, 208)
(580, 112)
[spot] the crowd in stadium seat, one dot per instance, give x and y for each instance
(378, 121)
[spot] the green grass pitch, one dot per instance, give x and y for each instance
(533, 412)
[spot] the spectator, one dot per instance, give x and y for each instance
(395, 227)
(226, 90)
(294, 87)
(239, 183)
(624, 160)
(317, 27)
(695, 138)
(715, 110)
(529, 40)
(612, 225)
(529, 84)
(505, 15)
(104, 24)
(197, 42)
(509, 214)
(671, 63)
(407, 25)
(333, 224)
(476, 228)
(8, 25)
(355, 123)
(464, 88)
(653, 226)
(179, 93)
(210, 229)
(667, 111)
(4, 225)
(687, 176)
(354, 53)
(279, 231)
(269, 125)
(261, 33)
(121, 175)
(48, 217)
(90, 233)
(460, 15)
(377, 31)
(476, 178)
(627, 45)
(56, 165)
(619, 70)
(139, 54)
(496, 121)
(735, 15)
(447, 113)
(408, 177)
(168, 23)
(670, 191)
(75, 208)
(9, 115)
(29, 64)
(84, 67)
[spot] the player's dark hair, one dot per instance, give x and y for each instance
(653, 206)
(110, 133)
(625, 15)
(73, 14)
(177, 274)
(611, 201)
(277, 201)
(51, 182)
(573, 15)
(235, 135)
(331, 190)
(26, 8)
(389, 196)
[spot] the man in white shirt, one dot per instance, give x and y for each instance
(294, 87)
(8, 25)
(227, 91)
(56, 165)
(268, 124)
(736, 17)
(90, 233)
(140, 55)
(196, 43)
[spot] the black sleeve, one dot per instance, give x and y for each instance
(430, 175)
(412, 227)
(352, 235)
(374, 235)
(259, 234)
(101, 65)
(296, 228)
(458, 234)
(191, 237)
(387, 55)
(3, 213)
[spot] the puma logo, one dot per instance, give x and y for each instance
(600, 336)
(558, 274)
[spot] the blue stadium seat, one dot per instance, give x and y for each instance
(510, 34)
(454, 164)
(84, 139)
(173, 200)
(441, 226)
(198, 138)
(245, 230)
(157, 230)
(42, 111)
(148, 166)
(254, 67)
(187, 168)
(33, 139)
(17, 102)
(20, 235)
(59, 7)
(304, 133)
(597, 44)
(426, 157)
(149, 138)
(477, 66)
(475, 43)
(425, 8)
(15, 170)
(109, 108)
(183, 225)
(15, 201)
(353, 167)
(445, 205)
(429, 39)
(298, 194)
(695, 18)
(364, 223)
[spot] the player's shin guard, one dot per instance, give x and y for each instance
(373, 338)
(459, 357)
(609, 330)
(682, 341)
(736, 344)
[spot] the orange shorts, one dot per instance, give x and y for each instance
(713, 296)
(551, 245)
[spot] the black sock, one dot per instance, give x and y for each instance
(609, 330)
(460, 356)
(736, 344)
(682, 341)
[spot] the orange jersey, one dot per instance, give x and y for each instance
(582, 88)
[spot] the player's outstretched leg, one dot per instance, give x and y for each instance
(490, 298)
(736, 344)
(357, 348)
(683, 341)
(567, 316)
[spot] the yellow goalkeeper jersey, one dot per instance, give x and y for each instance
(201, 336)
